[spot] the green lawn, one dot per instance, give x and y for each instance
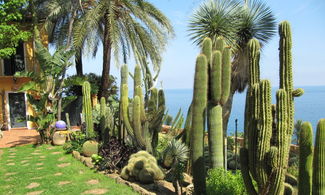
(47, 170)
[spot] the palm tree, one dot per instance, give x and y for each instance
(124, 27)
(61, 16)
(237, 22)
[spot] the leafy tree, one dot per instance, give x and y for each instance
(123, 27)
(11, 28)
(45, 88)
(297, 130)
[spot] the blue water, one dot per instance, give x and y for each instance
(310, 107)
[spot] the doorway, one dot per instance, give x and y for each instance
(17, 108)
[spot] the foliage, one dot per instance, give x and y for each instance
(73, 85)
(96, 159)
(45, 88)
(77, 140)
(115, 155)
(224, 182)
(11, 26)
(168, 120)
(296, 132)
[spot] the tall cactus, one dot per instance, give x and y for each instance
(199, 104)
(305, 159)
(142, 123)
(319, 160)
(87, 108)
(266, 148)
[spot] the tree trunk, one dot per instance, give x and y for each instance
(107, 48)
(78, 61)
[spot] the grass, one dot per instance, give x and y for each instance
(23, 168)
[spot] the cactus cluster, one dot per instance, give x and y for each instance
(268, 128)
(142, 120)
(211, 92)
(142, 167)
(87, 108)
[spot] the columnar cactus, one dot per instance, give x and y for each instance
(305, 159)
(87, 108)
(103, 120)
(199, 104)
(319, 160)
(266, 148)
(219, 64)
(142, 123)
(211, 92)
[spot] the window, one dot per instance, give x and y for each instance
(15, 63)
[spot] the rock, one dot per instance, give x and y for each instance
(76, 154)
(89, 148)
(88, 162)
(59, 139)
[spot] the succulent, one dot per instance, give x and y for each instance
(89, 148)
(175, 152)
(142, 167)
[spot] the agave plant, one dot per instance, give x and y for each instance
(175, 152)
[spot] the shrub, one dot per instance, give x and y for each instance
(77, 140)
(225, 183)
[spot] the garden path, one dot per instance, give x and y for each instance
(18, 137)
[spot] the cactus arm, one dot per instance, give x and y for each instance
(87, 108)
(216, 136)
(138, 134)
(198, 123)
(207, 49)
(319, 160)
(245, 172)
(226, 75)
(305, 159)
(215, 75)
(124, 110)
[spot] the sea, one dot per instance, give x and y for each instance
(309, 107)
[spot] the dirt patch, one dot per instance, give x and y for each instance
(24, 161)
(42, 156)
(39, 168)
(32, 185)
(35, 153)
(61, 159)
(28, 157)
(56, 153)
(35, 192)
(57, 174)
(12, 156)
(9, 160)
(64, 182)
(81, 172)
(25, 164)
(63, 165)
(39, 164)
(10, 164)
(50, 148)
(96, 191)
(9, 179)
(9, 174)
(93, 181)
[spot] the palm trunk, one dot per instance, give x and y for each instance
(78, 60)
(107, 48)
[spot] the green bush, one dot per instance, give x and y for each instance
(77, 140)
(225, 183)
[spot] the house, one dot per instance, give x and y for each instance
(13, 104)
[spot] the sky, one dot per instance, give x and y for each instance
(307, 18)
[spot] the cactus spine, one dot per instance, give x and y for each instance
(267, 147)
(319, 160)
(305, 159)
(87, 108)
(199, 104)
(142, 124)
